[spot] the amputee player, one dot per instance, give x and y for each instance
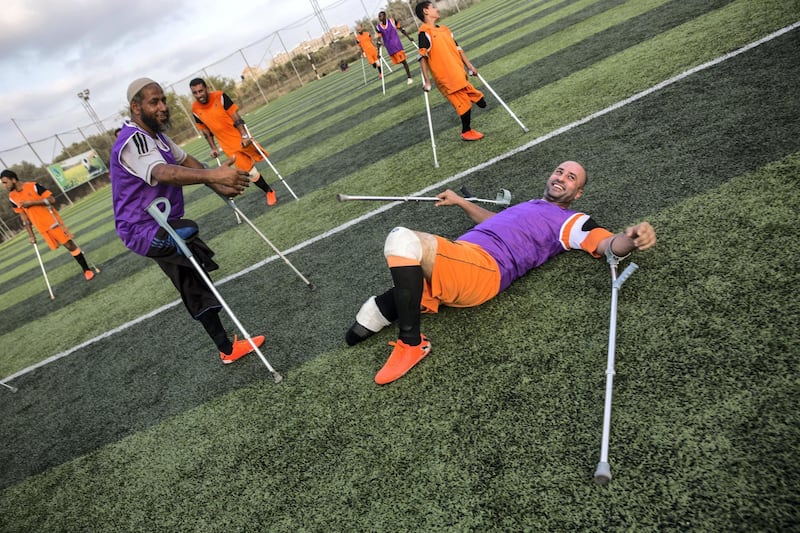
(442, 57)
(368, 50)
(36, 207)
(429, 271)
(216, 115)
(387, 36)
(145, 165)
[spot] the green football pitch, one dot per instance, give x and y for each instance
(685, 114)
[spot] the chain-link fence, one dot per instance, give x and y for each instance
(252, 76)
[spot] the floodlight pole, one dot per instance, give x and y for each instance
(84, 97)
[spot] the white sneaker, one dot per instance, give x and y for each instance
(409, 81)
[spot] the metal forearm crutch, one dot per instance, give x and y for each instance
(238, 220)
(521, 125)
(383, 61)
(264, 155)
(44, 272)
(602, 474)
(503, 198)
(430, 125)
(161, 217)
(363, 71)
(264, 238)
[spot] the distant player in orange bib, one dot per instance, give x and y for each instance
(216, 115)
(36, 207)
(368, 50)
(387, 36)
(441, 56)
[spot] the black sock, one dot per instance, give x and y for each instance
(261, 184)
(481, 103)
(408, 284)
(81, 261)
(213, 326)
(465, 121)
(386, 305)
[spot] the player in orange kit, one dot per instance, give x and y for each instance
(216, 115)
(364, 40)
(441, 56)
(36, 207)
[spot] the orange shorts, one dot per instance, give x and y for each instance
(399, 57)
(464, 275)
(463, 98)
(247, 157)
(372, 56)
(55, 236)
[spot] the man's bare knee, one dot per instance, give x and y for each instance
(429, 247)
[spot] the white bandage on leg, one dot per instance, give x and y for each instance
(254, 174)
(371, 317)
(402, 242)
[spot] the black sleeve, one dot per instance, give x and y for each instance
(226, 101)
(423, 41)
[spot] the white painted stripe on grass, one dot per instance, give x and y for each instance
(435, 186)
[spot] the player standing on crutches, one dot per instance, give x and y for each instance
(217, 116)
(34, 204)
(160, 216)
(446, 62)
(147, 165)
(368, 50)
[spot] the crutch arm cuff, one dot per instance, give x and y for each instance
(611, 257)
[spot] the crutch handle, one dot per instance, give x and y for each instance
(630, 269)
(161, 217)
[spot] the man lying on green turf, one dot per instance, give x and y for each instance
(429, 271)
(146, 165)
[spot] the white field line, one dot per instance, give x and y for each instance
(435, 186)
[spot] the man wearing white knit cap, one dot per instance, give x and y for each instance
(146, 164)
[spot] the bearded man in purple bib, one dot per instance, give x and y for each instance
(145, 165)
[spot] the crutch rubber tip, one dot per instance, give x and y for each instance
(339, 198)
(311, 287)
(526, 130)
(277, 377)
(603, 473)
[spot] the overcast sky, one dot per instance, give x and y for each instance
(51, 50)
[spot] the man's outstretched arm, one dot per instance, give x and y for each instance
(637, 237)
(475, 212)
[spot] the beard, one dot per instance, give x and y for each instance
(152, 122)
